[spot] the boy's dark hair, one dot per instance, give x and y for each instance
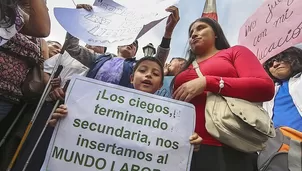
(179, 58)
(292, 55)
(105, 49)
(153, 59)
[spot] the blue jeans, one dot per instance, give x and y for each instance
(5, 108)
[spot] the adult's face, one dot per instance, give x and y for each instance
(280, 69)
(54, 48)
(127, 51)
(202, 37)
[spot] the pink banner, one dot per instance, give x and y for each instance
(274, 27)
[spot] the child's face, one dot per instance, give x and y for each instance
(147, 77)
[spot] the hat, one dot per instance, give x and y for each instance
(136, 45)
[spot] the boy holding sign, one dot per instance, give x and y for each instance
(148, 77)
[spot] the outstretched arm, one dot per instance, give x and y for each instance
(164, 47)
(80, 53)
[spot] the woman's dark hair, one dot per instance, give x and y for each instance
(220, 43)
(153, 59)
(8, 14)
(292, 55)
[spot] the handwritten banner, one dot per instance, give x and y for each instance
(112, 128)
(109, 24)
(145, 3)
(274, 27)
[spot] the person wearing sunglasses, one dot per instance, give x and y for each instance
(286, 107)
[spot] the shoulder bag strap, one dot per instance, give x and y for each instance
(41, 47)
(294, 155)
(196, 67)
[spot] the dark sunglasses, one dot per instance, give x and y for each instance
(135, 44)
(270, 63)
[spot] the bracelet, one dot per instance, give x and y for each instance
(221, 85)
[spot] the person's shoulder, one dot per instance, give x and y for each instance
(100, 56)
(235, 51)
(105, 54)
(52, 59)
(238, 48)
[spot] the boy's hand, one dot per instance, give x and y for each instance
(59, 113)
(57, 94)
(195, 140)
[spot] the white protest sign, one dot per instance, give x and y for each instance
(109, 24)
(150, 12)
(113, 128)
(274, 27)
(145, 3)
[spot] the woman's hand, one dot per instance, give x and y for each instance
(59, 113)
(84, 6)
(195, 140)
(187, 91)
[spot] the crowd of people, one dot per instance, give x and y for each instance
(229, 71)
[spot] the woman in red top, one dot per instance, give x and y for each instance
(244, 78)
